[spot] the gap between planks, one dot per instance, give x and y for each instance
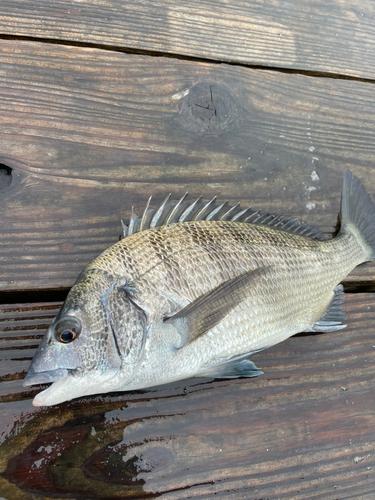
(171, 55)
(59, 295)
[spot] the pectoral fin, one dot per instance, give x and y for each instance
(209, 309)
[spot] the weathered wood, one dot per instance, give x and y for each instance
(303, 430)
(327, 36)
(88, 133)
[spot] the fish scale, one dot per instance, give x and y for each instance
(195, 290)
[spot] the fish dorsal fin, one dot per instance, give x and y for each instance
(285, 223)
(209, 309)
(184, 211)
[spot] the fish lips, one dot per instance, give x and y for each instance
(45, 377)
(59, 378)
(55, 377)
(69, 384)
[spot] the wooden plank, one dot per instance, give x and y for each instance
(89, 133)
(326, 36)
(303, 430)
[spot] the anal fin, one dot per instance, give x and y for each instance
(334, 316)
(233, 368)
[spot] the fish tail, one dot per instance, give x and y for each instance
(357, 214)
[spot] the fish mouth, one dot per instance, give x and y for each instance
(67, 384)
(46, 377)
(55, 393)
(57, 378)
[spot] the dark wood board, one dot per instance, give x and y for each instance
(322, 36)
(303, 430)
(89, 133)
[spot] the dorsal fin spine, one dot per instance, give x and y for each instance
(144, 216)
(124, 229)
(189, 210)
(214, 215)
(175, 213)
(229, 212)
(206, 210)
(183, 211)
(132, 221)
(159, 213)
(241, 214)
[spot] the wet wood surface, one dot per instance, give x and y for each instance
(305, 429)
(103, 104)
(89, 133)
(334, 36)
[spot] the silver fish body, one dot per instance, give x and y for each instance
(197, 297)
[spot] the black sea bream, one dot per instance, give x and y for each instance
(195, 290)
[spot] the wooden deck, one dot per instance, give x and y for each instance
(104, 103)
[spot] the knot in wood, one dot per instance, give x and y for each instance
(5, 176)
(208, 108)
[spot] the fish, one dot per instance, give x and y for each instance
(194, 290)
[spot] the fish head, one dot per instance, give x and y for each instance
(80, 353)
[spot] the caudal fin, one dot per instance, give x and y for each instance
(358, 213)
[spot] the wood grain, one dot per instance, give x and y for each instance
(334, 36)
(303, 430)
(89, 133)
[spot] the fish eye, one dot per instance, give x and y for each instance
(67, 329)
